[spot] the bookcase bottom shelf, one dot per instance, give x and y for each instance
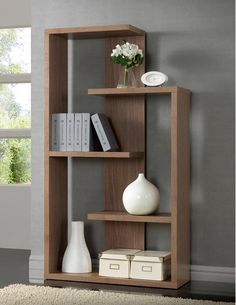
(95, 278)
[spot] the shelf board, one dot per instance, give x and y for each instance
(124, 216)
(93, 32)
(96, 154)
(135, 91)
(95, 278)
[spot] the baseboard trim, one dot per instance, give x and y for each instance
(36, 269)
(198, 273)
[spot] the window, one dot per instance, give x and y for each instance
(15, 105)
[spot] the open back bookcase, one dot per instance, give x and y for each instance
(126, 110)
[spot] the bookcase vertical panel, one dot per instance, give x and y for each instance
(125, 235)
(127, 115)
(55, 169)
(57, 212)
(180, 183)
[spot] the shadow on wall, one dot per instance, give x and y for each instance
(192, 61)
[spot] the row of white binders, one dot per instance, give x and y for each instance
(82, 132)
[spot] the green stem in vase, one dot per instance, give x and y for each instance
(126, 77)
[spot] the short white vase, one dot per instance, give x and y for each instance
(141, 197)
(77, 258)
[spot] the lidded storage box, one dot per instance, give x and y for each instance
(151, 265)
(116, 262)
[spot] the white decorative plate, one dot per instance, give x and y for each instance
(154, 78)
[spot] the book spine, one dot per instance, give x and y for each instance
(109, 132)
(86, 132)
(70, 131)
(104, 132)
(78, 132)
(55, 126)
(62, 132)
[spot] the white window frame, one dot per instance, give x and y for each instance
(20, 78)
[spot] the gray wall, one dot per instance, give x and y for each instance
(14, 13)
(15, 216)
(193, 43)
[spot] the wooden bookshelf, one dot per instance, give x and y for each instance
(124, 216)
(95, 32)
(96, 154)
(136, 91)
(95, 278)
(126, 109)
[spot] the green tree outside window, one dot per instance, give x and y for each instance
(14, 153)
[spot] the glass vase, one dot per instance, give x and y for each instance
(126, 78)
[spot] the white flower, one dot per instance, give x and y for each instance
(140, 52)
(128, 52)
(117, 51)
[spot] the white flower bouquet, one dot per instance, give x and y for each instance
(127, 55)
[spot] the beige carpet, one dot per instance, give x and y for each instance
(39, 295)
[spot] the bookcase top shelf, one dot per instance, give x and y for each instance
(93, 32)
(136, 91)
(124, 216)
(96, 154)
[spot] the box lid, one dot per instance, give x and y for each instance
(152, 256)
(121, 254)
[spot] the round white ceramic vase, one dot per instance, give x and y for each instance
(141, 197)
(77, 258)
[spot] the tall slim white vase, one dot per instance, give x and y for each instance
(77, 258)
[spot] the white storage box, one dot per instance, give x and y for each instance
(116, 262)
(151, 265)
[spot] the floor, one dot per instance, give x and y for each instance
(14, 266)
(14, 269)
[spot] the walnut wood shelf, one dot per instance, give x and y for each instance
(136, 91)
(95, 278)
(93, 32)
(123, 216)
(126, 108)
(96, 154)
